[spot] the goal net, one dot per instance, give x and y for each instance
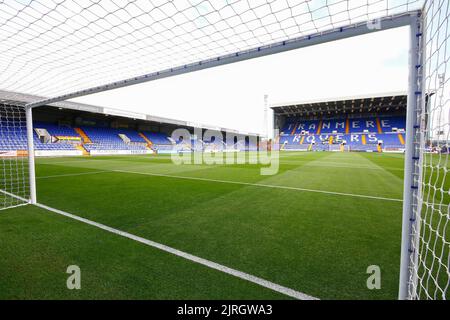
(430, 227)
(14, 182)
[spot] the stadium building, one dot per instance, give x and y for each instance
(75, 129)
(363, 124)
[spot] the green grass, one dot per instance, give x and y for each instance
(316, 243)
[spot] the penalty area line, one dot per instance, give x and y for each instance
(210, 264)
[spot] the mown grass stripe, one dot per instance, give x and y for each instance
(210, 264)
(71, 174)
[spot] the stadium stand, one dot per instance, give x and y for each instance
(345, 125)
(359, 123)
(357, 134)
(13, 137)
(110, 139)
(57, 131)
(133, 135)
(53, 137)
(157, 138)
(379, 133)
(158, 141)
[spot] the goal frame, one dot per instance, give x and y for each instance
(413, 171)
(416, 103)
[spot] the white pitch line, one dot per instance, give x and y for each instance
(262, 185)
(72, 174)
(334, 165)
(231, 182)
(210, 264)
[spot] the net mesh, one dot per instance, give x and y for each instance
(430, 241)
(50, 48)
(14, 182)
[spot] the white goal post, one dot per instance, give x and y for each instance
(58, 59)
(425, 262)
(14, 161)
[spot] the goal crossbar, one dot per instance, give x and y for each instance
(353, 30)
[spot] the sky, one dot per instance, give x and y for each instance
(232, 96)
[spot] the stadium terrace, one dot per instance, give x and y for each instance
(371, 124)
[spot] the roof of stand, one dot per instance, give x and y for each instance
(387, 102)
(23, 99)
(57, 48)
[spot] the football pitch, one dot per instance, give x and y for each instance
(314, 228)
